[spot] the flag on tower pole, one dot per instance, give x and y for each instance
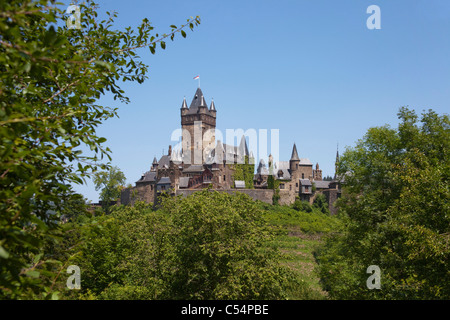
(197, 78)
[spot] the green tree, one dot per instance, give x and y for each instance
(320, 202)
(110, 183)
(396, 211)
(209, 245)
(301, 205)
(219, 249)
(50, 80)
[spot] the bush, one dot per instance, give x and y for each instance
(309, 222)
(302, 206)
(320, 203)
(209, 245)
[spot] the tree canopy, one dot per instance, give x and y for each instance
(396, 210)
(210, 245)
(51, 78)
(110, 184)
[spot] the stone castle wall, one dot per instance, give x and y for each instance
(264, 195)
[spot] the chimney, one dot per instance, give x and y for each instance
(170, 151)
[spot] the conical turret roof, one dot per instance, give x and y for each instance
(294, 155)
(213, 106)
(184, 105)
(197, 101)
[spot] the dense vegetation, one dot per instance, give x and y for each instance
(396, 213)
(51, 78)
(210, 245)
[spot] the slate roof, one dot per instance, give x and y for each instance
(229, 150)
(164, 180)
(262, 169)
(294, 155)
(322, 184)
(149, 176)
(286, 174)
(164, 162)
(197, 102)
(280, 165)
(305, 182)
(184, 105)
(305, 162)
(194, 168)
(213, 106)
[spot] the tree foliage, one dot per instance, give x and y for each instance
(320, 202)
(209, 245)
(110, 184)
(396, 210)
(50, 80)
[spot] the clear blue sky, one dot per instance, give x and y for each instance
(311, 69)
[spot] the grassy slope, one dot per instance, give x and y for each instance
(299, 234)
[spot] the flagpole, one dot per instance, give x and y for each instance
(197, 78)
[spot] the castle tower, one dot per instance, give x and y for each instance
(317, 174)
(198, 124)
(270, 164)
(295, 160)
(154, 164)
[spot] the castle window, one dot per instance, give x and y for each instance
(306, 188)
(281, 185)
(224, 178)
(303, 176)
(296, 185)
(290, 187)
(296, 166)
(151, 187)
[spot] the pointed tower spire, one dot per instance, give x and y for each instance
(243, 146)
(294, 155)
(336, 164)
(251, 158)
(295, 160)
(203, 102)
(213, 106)
(154, 164)
(184, 105)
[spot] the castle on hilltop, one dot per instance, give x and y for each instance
(203, 162)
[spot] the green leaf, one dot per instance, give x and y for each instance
(3, 253)
(37, 258)
(33, 274)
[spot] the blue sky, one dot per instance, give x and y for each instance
(311, 69)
